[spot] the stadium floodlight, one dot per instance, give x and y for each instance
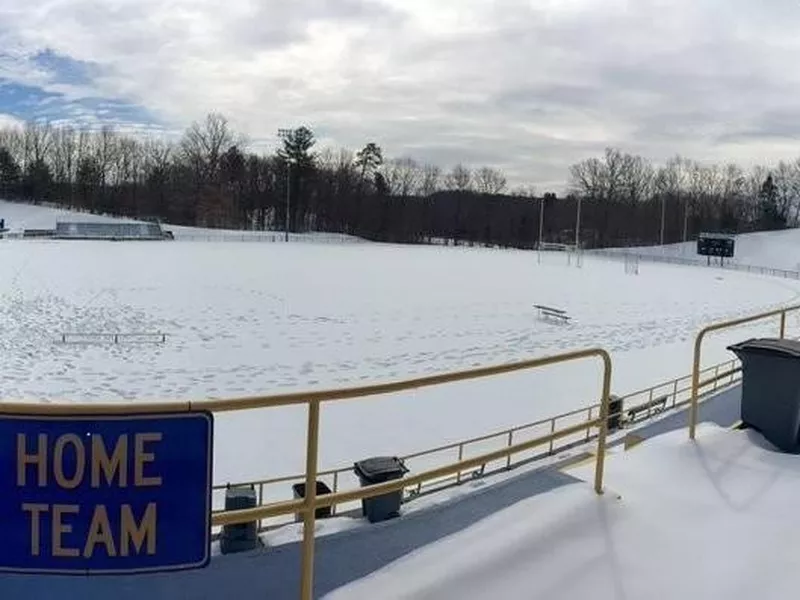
(284, 134)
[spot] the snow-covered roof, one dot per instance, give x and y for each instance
(713, 518)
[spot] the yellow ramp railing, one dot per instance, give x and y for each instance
(676, 393)
(698, 346)
(308, 505)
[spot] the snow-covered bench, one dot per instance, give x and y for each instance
(655, 405)
(548, 312)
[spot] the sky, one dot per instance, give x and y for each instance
(527, 86)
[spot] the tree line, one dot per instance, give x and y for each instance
(209, 178)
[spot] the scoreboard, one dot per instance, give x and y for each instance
(714, 244)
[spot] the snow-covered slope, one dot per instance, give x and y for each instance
(773, 249)
(711, 519)
(20, 216)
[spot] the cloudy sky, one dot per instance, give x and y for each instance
(529, 86)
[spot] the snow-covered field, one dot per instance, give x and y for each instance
(706, 519)
(260, 318)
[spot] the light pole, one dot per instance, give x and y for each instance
(284, 134)
(541, 230)
(685, 218)
(578, 225)
(541, 220)
(663, 216)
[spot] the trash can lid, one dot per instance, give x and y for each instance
(380, 465)
(779, 346)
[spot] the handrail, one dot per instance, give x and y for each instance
(308, 506)
(290, 399)
(698, 342)
(674, 392)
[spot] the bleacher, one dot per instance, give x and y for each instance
(66, 230)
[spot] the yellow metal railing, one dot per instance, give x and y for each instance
(698, 343)
(675, 392)
(308, 506)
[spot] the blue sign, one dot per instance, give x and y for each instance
(105, 494)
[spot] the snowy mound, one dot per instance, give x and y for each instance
(19, 216)
(773, 249)
(709, 519)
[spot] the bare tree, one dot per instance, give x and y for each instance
(459, 179)
(431, 180)
(636, 178)
(588, 179)
(203, 145)
(489, 181)
(402, 176)
(38, 138)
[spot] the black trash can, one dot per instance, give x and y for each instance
(244, 536)
(771, 389)
(299, 491)
(615, 407)
(378, 470)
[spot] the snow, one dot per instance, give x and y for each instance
(679, 519)
(260, 318)
(762, 249)
(21, 216)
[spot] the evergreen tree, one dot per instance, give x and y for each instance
(9, 174)
(297, 144)
(770, 216)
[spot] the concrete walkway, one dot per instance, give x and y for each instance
(273, 573)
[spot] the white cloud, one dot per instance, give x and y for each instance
(529, 86)
(9, 121)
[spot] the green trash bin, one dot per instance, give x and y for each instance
(299, 493)
(380, 469)
(771, 389)
(243, 536)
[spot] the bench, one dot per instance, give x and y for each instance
(548, 312)
(656, 405)
(446, 481)
(112, 338)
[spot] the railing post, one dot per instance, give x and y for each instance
(260, 502)
(460, 458)
(695, 384)
(783, 324)
(675, 393)
(603, 433)
(335, 489)
(552, 431)
(650, 404)
(310, 513)
(716, 377)
(510, 443)
(588, 429)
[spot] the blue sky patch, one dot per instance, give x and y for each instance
(32, 102)
(63, 69)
